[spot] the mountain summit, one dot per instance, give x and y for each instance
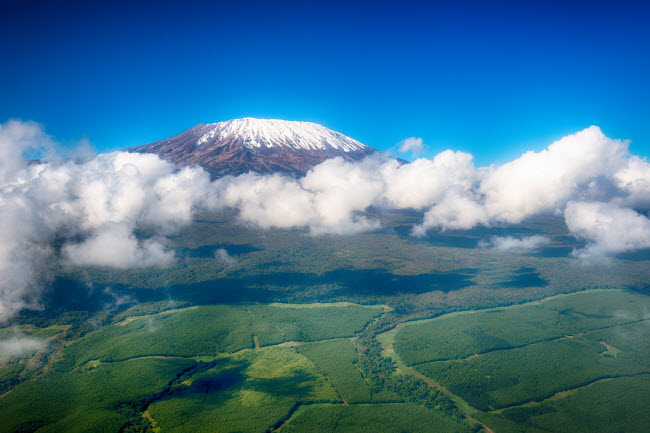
(261, 145)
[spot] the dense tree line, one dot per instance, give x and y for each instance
(380, 371)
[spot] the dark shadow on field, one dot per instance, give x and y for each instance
(298, 385)
(66, 295)
(643, 289)
(208, 251)
(221, 378)
(525, 277)
(380, 282)
(225, 375)
(353, 283)
(523, 415)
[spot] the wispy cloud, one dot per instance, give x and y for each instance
(513, 243)
(19, 345)
(226, 258)
(414, 145)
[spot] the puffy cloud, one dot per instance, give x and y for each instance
(455, 211)
(341, 190)
(268, 201)
(544, 181)
(327, 200)
(424, 182)
(116, 246)
(608, 228)
(634, 180)
(512, 243)
(411, 144)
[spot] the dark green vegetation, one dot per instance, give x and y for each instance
(205, 345)
(558, 352)
(95, 399)
(609, 405)
(464, 334)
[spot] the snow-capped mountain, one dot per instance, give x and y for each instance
(262, 145)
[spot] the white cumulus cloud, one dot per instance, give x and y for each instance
(607, 228)
(544, 181)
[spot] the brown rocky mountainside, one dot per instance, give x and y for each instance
(260, 145)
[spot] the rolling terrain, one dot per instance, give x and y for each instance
(372, 331)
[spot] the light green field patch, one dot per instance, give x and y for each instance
(213, 329)
(154, 424)
(151, 316)
(611, 351)
(246, 392)
(336, 360)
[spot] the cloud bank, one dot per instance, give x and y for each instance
(93, 209)
(117, 209)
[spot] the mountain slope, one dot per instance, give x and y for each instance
(261, 145)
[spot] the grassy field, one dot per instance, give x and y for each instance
(208, 330)
(609, 405)
(593, 343)
(371, 418)
(86, 400)
(510, 377)
(464, 334)
(182, 361)
(524, 379)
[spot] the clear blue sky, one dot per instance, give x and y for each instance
(491, 78)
